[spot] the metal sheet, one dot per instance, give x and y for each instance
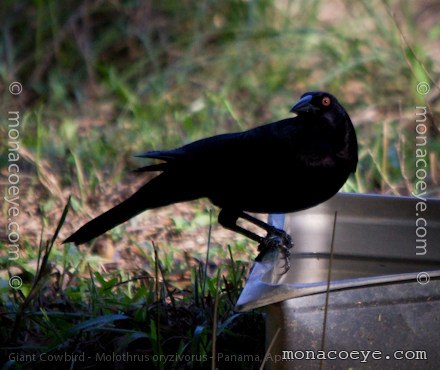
(375, 242)
(366, 291)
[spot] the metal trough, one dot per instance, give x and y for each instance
(376, 287)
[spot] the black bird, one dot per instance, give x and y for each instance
(280, 167)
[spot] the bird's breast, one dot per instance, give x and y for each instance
(326, 161)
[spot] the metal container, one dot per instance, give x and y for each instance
(364, 276)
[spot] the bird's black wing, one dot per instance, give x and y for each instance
(230, 150)
(169, 157)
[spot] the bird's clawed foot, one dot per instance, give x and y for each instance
(277, 239)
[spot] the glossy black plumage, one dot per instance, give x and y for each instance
(280, 167)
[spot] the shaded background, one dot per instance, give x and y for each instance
(104, 80)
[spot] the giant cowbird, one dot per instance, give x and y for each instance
(280, 167)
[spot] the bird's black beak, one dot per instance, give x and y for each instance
(303, 105)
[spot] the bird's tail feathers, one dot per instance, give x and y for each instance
(152, 167)
(159, 192)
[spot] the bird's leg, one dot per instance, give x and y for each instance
(228, 219)
(275, 238)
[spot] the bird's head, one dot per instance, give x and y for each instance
(316, 103)
(327, 111)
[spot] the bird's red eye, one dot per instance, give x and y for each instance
(326, 101)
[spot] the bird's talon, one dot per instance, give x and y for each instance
(277, 239)
(286, 266)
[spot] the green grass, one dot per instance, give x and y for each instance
(66, 306)
(106, 80)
